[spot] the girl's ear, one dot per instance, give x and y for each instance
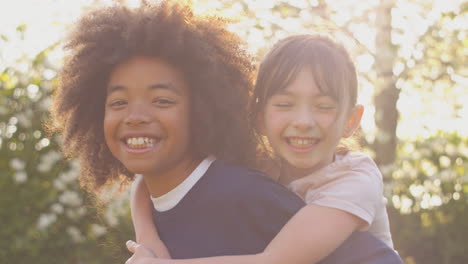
(354, 120)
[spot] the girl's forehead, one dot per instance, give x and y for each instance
(304, 79)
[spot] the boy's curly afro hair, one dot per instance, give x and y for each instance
(217, 69)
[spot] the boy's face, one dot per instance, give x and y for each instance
(299, 122)
(147, 113)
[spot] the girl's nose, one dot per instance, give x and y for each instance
(304, 119)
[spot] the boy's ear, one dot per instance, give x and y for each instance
(354, 120)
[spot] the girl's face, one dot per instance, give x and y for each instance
(146, 123)
(299, 122)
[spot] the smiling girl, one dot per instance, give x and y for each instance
(304, 102)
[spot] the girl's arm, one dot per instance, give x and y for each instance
(310, 235)
(141, 210)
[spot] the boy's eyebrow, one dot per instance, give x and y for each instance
(167, 86)
(111, 89)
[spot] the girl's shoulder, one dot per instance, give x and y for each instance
(354, 159)
(348, 167)
(351, 177)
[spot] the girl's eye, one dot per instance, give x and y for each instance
(282, 104)
(326, 107)
(162, 102)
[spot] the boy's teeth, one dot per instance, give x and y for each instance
(140, 142)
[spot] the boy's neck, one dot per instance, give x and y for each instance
(162, 183)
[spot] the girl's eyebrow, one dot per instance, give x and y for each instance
(282, 92)
(286, 92)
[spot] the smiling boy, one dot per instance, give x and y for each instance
(146, 122)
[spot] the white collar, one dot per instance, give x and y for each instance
(169, 200)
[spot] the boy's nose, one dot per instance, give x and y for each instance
(137, 115)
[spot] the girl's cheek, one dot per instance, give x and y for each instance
(326, 120)
(276, 124)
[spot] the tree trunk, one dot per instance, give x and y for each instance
(386, 113)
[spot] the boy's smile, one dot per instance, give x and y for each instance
(140, 143)
(147, 119)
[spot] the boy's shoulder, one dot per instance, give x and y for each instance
(247, 184)
(235, 177)
(239, 174)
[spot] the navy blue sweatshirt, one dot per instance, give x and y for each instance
(232, 210)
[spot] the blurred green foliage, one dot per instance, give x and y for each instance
(429, 198)
(46, 217)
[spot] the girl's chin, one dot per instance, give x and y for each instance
(302, 165)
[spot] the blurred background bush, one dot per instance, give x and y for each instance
(411, 57)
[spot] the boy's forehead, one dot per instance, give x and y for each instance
(152, 73)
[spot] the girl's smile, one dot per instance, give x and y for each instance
(299, 122)
(302, 144)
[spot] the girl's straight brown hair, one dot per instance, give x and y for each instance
(329, 62)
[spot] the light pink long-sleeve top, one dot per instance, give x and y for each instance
(352, 183)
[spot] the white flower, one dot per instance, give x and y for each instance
(20, 176)
(81, 211)
(111, 219)
(45, 220)
(17, 164)
(57, 208)
(48, 160)
(98, 230)
(43, 167)
(24, 118)
(3, 110)
(76, 213)
(117, 203)
(59, 184)
(45, 103)
(75, 234)
(69, 176)
(70, 198)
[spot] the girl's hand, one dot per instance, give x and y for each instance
(142, 218)
(141, 254)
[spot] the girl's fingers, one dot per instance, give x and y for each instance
(131, 246)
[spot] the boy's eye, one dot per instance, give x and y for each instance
(117, 103)
(163, 102)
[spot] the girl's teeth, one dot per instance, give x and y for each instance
(301, 142)
(140, 142)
